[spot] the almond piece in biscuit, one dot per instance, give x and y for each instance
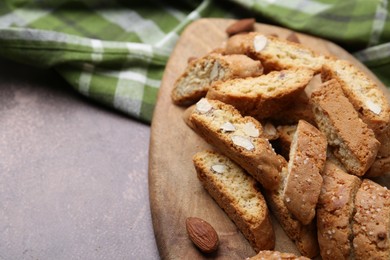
(275, 53)
(362, 92)
(200, 73)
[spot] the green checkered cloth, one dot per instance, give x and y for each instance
(115, 52)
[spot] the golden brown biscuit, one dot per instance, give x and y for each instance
(371, 222)
(335, 211)
(200, 73)
(350, 139)
(304, 236)
(275, 53)
(263, 96)
(304, 180)
(245, 206)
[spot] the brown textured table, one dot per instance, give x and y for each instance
(73, 175)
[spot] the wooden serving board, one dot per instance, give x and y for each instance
(175, 192)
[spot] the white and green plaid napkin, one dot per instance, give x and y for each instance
(115, 52)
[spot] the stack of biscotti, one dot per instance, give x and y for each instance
(243, 139)
(330, 126)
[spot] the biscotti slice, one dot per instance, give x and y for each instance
(276, 255)
(238, 195)
(200, 73)
(262, 96)
(362, 92)
(274, 53)
(335, 212)
(371, 222)
(304, 180)
(304, 236)
(352, 142)
(239, 138)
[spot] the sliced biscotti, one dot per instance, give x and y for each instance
(201, 73)
(335, 212)
(362, 92)
(274, 53)
(371, 222)
(276, 255)
(306, 161)
(262, 96)
(304, 236)
(239, 138)
(366, 97)
(238, 195)
(352, 142)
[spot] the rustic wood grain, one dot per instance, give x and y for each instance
(175, 192)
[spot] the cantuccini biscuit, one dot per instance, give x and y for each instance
(304, 236)
(306, 161)
(335, 212)
(239, 138)
(366, 97)
(263, 96)
(238, 194)
(200, 73)
(275, 53)
(363, 93)
(371, 222)
(350, 139)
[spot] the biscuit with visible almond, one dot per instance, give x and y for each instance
(349, 138)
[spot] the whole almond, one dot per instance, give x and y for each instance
(244, 25)
(190, 59)
(202, 234)
(292, 37)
